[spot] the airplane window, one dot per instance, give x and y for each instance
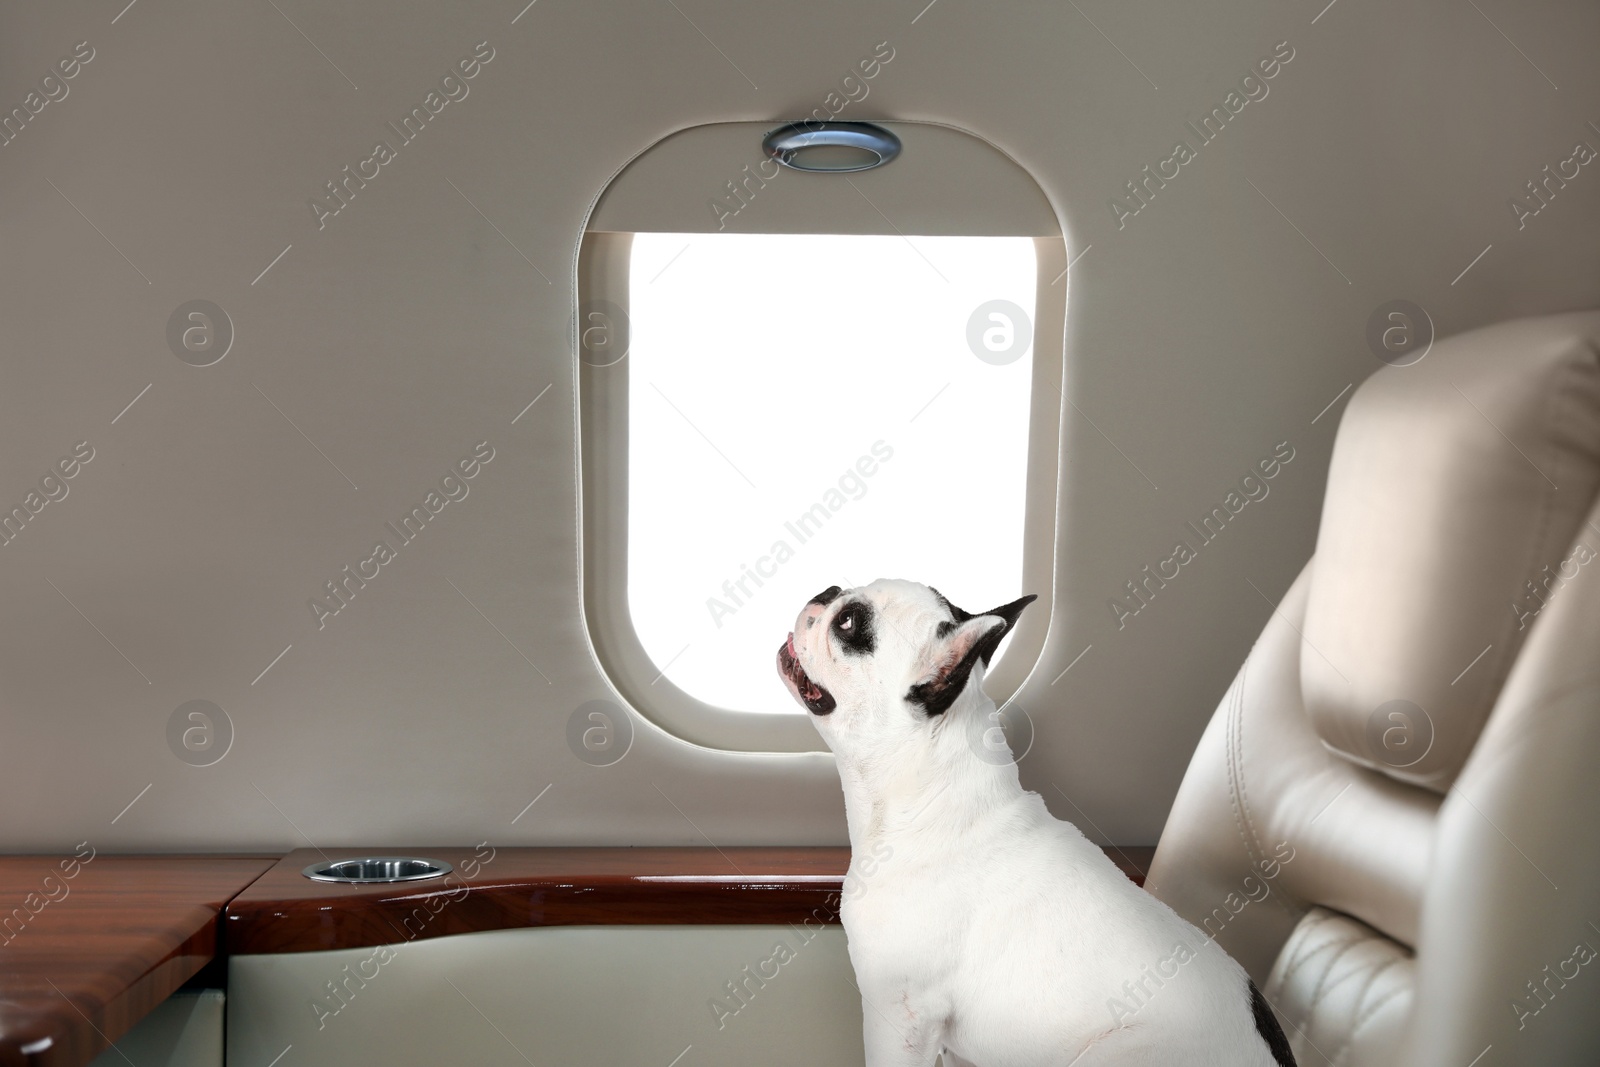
(808, 410)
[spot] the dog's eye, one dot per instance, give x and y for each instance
(852, 626)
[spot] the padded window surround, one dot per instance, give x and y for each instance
(926, 190)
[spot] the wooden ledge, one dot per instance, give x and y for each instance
(513, 888)
(90, 944)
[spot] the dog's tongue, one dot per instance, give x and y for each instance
(816, 698)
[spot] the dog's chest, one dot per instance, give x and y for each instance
(906, 925)
(902, 960)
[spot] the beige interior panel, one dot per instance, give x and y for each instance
(374, 347)
(185, 1030)
(573, 995)
(714, 178)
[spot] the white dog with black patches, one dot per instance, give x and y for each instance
(979, 925)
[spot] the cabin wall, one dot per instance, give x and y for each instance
(571, 994)
(374, 348)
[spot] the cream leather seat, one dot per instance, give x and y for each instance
(1391, 819)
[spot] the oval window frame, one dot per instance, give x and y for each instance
(656, 192)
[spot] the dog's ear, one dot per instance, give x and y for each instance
(1011, 613)
(957, 647)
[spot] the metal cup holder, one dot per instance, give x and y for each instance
(366, 870)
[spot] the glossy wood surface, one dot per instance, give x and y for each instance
(511, 888)
(84, 955)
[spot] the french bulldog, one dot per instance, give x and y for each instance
(980, 926)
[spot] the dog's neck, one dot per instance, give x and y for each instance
(940, 795)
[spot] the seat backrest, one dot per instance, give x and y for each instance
(1390, 818)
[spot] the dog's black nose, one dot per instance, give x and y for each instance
(827, 596)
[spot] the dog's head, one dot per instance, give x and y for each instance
(887, 658)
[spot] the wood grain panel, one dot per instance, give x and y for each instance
(511, 888)
(91, 943)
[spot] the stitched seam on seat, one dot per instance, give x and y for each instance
(1239, 798)
(1367, 1015)
(1317, 1000)
(1321, 989)
(1296, 951)
(1277, 990)
(1362, 1016)
(1312, 954)
(1237, 795)
(1318, 992)
(1362, 1022)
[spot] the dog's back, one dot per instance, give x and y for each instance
(1059, 951)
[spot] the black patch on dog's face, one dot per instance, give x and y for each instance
(853, 627)
(827, 596)
(1267, 1026)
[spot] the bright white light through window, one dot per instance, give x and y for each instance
(806, 411)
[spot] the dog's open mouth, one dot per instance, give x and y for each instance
(817, 700)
